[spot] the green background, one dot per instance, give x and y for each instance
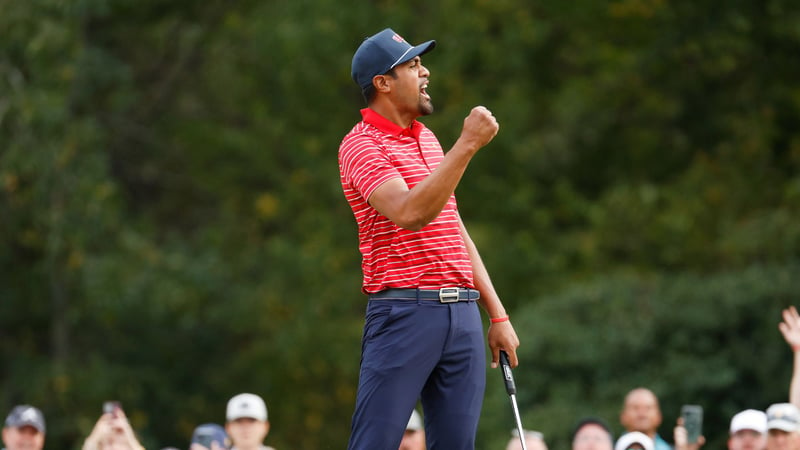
(173, 231)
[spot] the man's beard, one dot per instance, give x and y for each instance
(425, 107)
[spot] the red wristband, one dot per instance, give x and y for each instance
(499, 319)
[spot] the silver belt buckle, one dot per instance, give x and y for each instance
(448, 295)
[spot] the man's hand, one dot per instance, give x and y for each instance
(790, 327)
(502, 336)
(680, 436)
(480, 127)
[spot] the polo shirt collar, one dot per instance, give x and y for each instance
(387, 126)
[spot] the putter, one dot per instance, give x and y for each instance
(508, 379)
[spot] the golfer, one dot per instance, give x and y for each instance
(423, 336)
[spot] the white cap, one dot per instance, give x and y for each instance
(783, 416)
(415, 421)
(749, 419)
(634, 437)
(246, 405)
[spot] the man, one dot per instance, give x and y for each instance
(209, 436)
(534, 440)
(423, 336)
(641, 412)
(748, 431)
(112, 431)
(783, 420)
(414, 437)
(24, 429)
(247, 423)
(634, 440)
(592, 434)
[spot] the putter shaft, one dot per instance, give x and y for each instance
(511, 388)
(519, 422)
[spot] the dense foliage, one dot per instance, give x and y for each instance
(173, 230)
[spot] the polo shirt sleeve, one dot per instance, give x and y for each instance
(365, 164)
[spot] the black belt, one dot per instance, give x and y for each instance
(443, 295)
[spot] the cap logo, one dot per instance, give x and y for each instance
(780, 414)
(28, 414)
(380, 53)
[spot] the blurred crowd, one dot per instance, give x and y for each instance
(776, 428)
(246, 427)
(247, 424)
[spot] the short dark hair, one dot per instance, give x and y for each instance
(592, 420)
(369, 91)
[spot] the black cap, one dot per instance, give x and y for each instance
(591, 421)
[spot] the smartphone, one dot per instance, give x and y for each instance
(111, 407)
(693, 422)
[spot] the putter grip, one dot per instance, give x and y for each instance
(508, 378)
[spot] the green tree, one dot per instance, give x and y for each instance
(173, 230)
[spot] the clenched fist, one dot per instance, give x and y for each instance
(480, 127)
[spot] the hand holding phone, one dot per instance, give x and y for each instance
(111, 407)
(692, 416)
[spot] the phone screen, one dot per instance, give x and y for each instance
(693, 422)
(111, 407)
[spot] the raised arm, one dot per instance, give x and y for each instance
(790, 328)
(414, 208)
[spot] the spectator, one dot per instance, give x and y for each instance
(534, 440)
(112, 432)
(681, 437)
(790, 328)
(634, 440)
(748, 431)
(24, 429)
(642, 413)
(247, 423)
(209, 436)
(592, 434)
(783, 420)
(414, 437)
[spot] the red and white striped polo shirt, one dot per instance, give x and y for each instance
(372, 153)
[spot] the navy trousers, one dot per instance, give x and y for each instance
(420, 349)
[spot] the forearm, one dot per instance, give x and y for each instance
(790, 329)
(490, 301)
(794, 386)
(415, 208)
(91, 443)
(430, 196)
(501, 335)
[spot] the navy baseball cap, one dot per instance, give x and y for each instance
(382, 52)
(210, 432)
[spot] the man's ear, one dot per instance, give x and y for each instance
(381, 83)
